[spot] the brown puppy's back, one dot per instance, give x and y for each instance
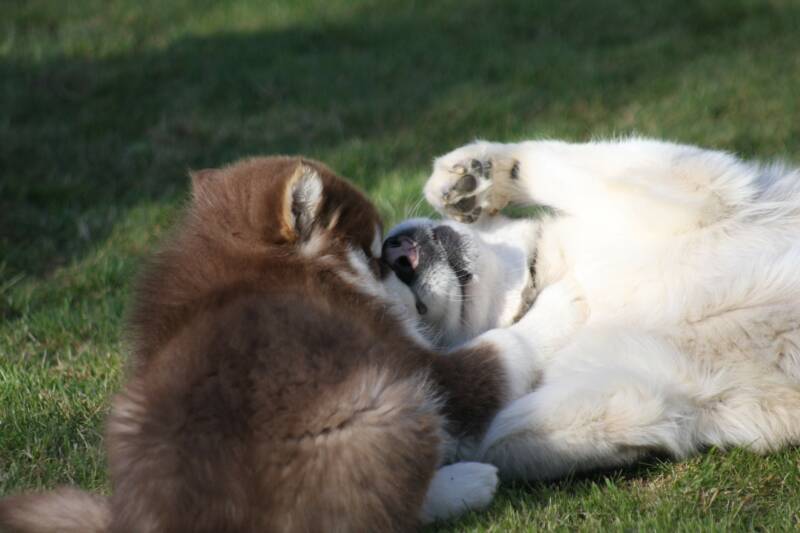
(269, 413)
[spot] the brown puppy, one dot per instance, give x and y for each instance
(275, 384)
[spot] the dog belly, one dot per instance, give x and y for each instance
(768, 336)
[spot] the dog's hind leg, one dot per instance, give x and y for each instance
(599, 415)
(758, 411)
(573, 427)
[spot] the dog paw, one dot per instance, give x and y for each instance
(458, 488)
(464, 183)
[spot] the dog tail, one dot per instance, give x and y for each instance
(64, 510)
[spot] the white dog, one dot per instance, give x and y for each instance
(689, 261)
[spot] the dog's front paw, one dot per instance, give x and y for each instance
(458, 488)
(464, 183)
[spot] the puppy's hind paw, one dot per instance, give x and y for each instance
(459, 488)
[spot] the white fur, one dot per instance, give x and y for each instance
(377, 241)
(498, 256)
(526, 346)
(689, 261)
(305, 193)
(458, 488)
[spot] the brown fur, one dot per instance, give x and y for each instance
(65, 510)
(266, 393)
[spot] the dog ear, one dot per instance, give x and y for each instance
(200, 176)
(303, 198)
(200, 182)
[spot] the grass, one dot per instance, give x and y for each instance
(104, 105)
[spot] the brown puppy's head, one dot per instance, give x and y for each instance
(292, 203)
(268, 222)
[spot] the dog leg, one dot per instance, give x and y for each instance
(658, 185)
(525, 347)
(600, 405)
(563, 428)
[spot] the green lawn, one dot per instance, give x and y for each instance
(104, 105)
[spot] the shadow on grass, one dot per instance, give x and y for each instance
(581, 483)
(383, 90)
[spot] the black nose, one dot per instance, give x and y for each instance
(402, 254)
